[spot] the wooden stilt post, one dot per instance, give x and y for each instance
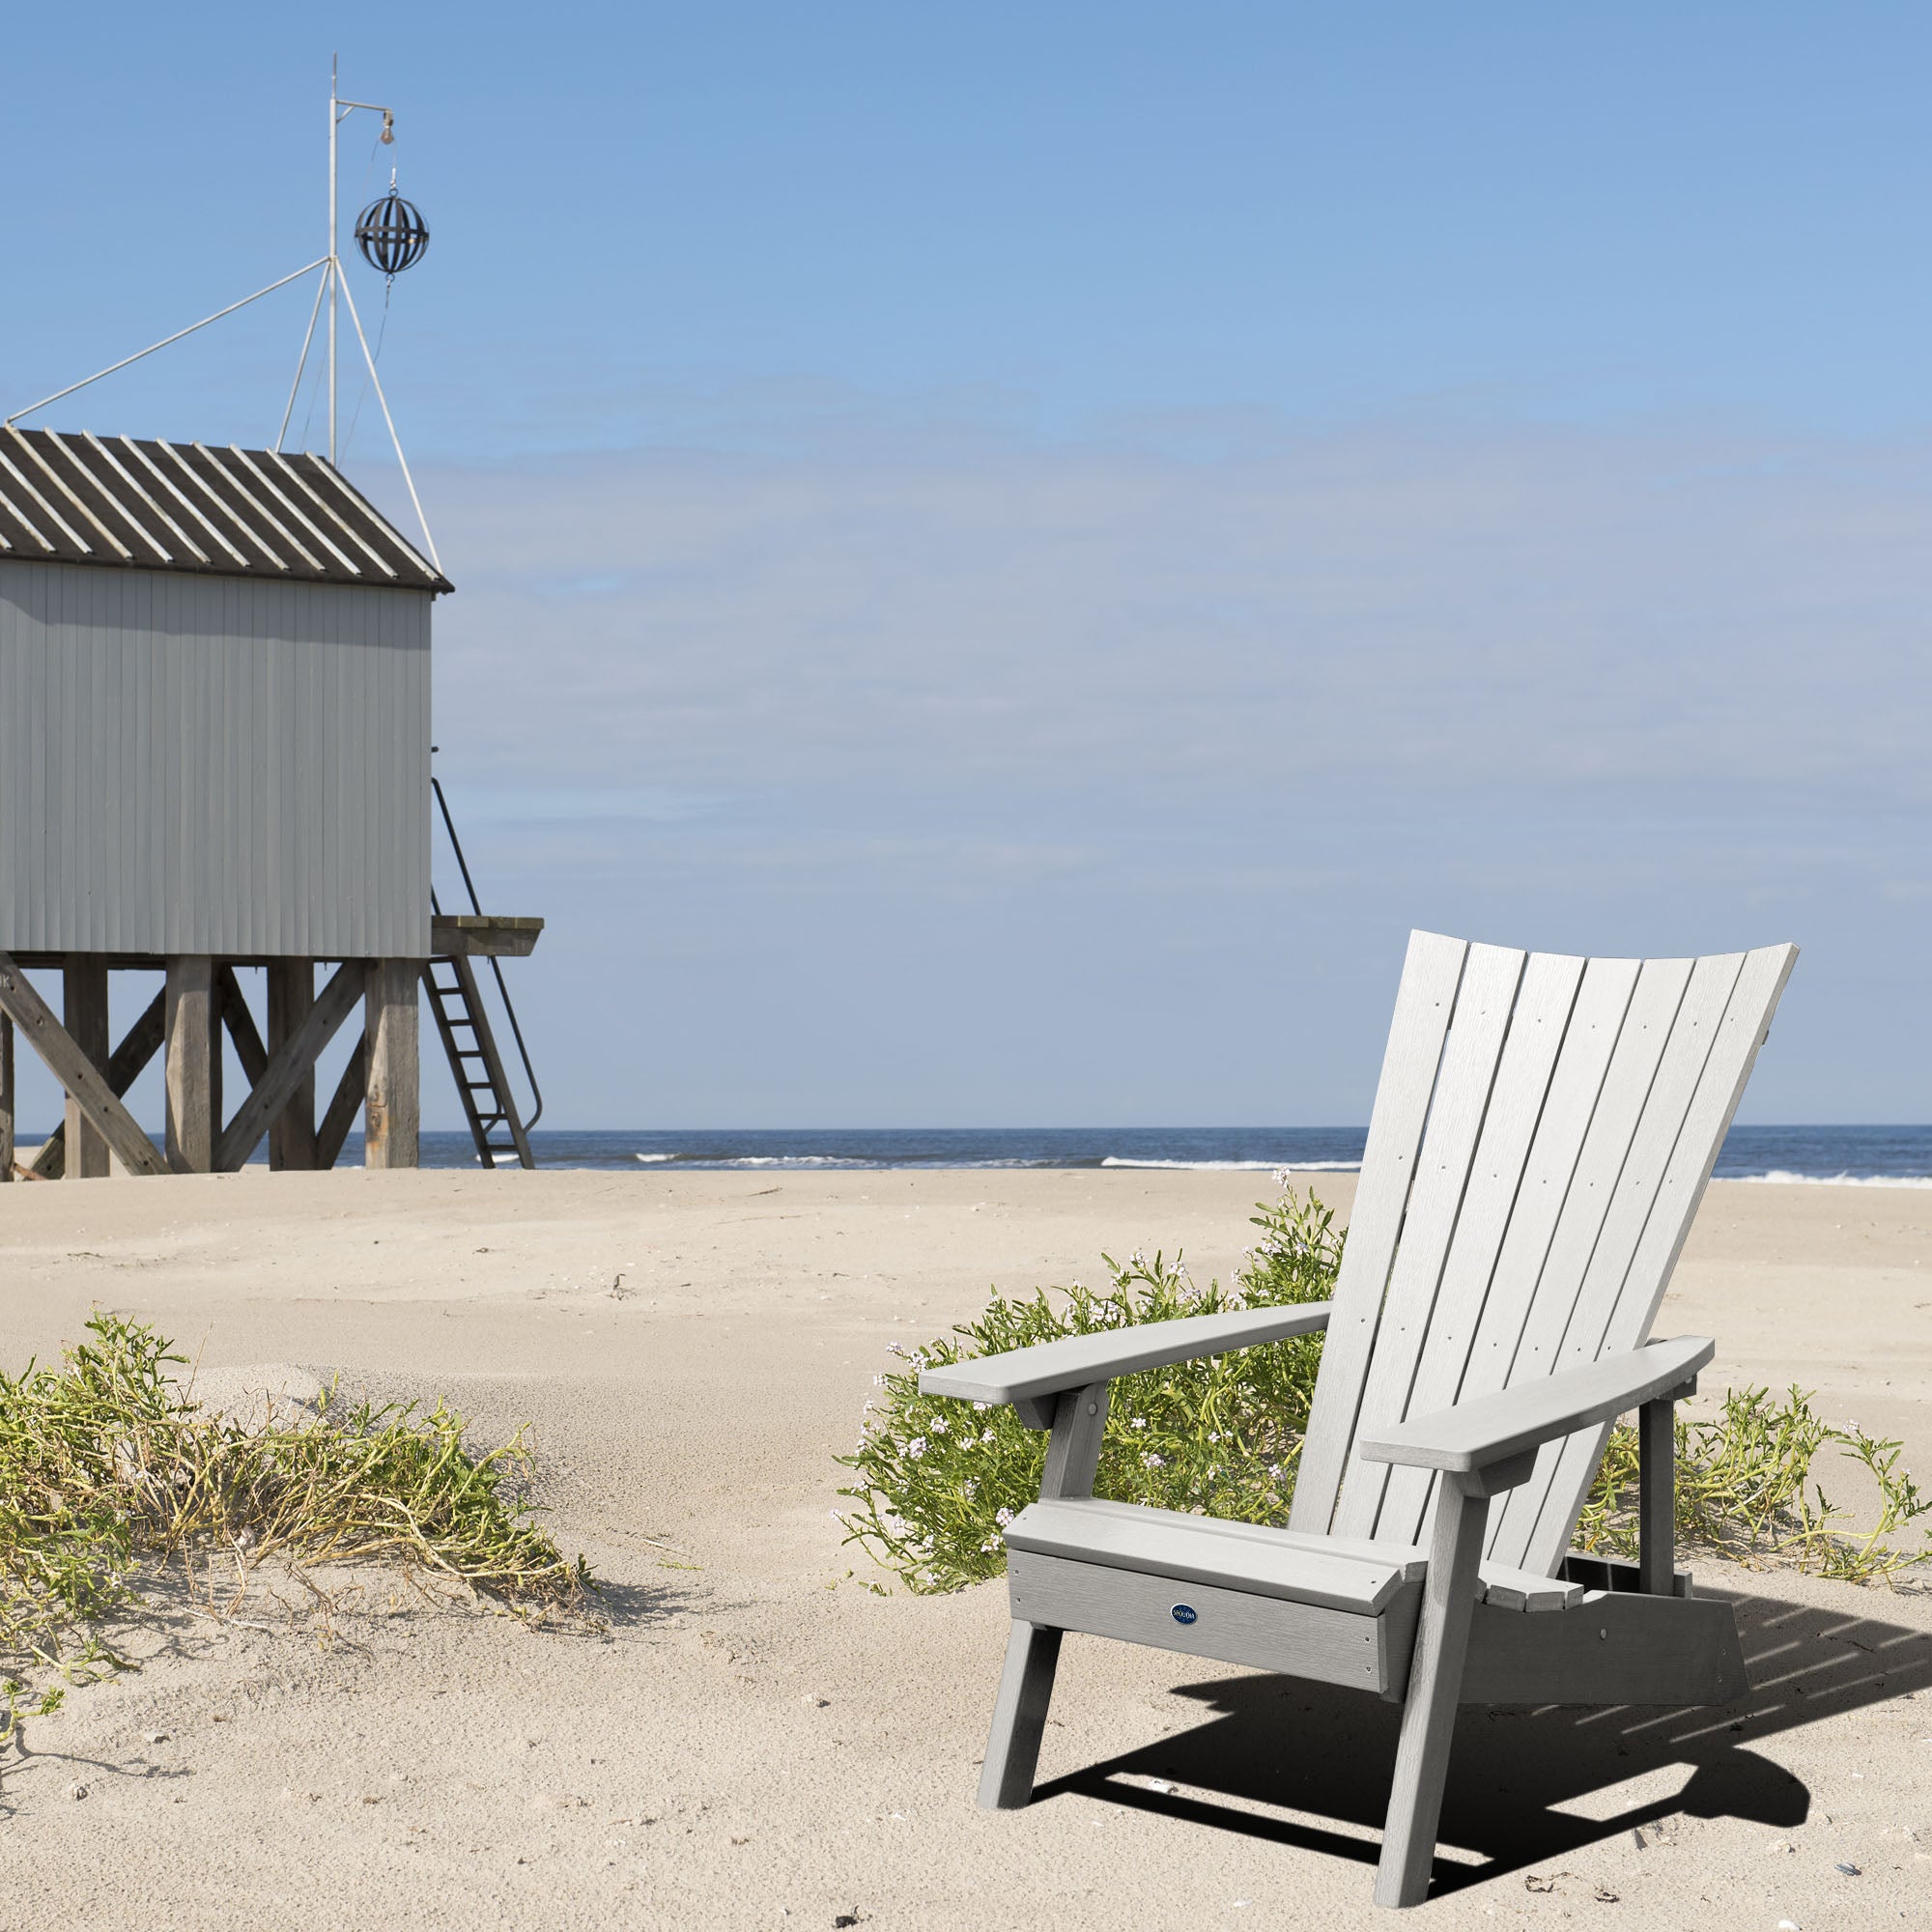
(291, 995)
(194, 1064)
(392, 1116)
(5, 1099)
(217, 1049)
(84, 1014)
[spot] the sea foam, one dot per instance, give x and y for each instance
(1780, 1177)
(1240, 1166)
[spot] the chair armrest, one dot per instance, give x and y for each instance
(1494, 1428)
(1025, 1375)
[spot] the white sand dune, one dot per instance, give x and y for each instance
(759, 1739)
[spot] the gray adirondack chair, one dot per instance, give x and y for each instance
(1541, 1138)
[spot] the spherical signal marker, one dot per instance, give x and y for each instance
(391, 234)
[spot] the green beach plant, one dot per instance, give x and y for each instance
(1742, 1477)
(110, 1470)
(937, 1480)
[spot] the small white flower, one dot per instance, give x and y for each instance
(1153, 1461)
(982, 1406)
(1002, 1518)
(940, 1425)
(1140, 1422)
(986, 1439)
(916, 1448)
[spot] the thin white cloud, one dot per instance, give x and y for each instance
(1421, 620)
(1032, 785)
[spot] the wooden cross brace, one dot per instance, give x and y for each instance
(131, 1058)
(290, 1065)
(90, 1087)
(343, 1106)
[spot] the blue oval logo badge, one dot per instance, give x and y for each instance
(1184, 1614)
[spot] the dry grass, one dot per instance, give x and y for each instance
(110, 1471)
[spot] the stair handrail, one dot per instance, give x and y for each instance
(496, 964)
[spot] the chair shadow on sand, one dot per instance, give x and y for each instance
(1317, 1750)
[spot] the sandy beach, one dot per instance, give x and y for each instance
(759, 1739)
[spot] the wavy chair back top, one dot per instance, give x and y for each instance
(1541, 1136)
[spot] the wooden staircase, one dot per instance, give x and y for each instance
(481, 1083)
(496, 1126)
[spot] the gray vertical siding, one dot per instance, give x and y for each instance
(211, 764)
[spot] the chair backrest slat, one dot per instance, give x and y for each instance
(1492, 1212)
(1589, 1042)
(1423, 1005)
(1742, 1031)
(1464, 1080)
(1541, 1139)
(1665, 1060)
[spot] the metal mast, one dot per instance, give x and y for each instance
(330, 285)
(334, 270)
(339, 111)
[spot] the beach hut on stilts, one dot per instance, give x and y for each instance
(215, 761)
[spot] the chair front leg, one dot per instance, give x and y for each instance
(1459, 1522)
(1019, 1717)
(1032, 1651)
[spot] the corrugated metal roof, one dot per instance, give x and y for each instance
(67, 498)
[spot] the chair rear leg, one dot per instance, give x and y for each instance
(1434, 1681)
(1019, 1717)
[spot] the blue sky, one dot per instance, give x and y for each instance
(1005, 558)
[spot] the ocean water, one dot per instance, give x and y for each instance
(1870, 1156)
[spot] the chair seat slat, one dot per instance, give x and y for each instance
(1205, 1550)
(1334, 1571)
